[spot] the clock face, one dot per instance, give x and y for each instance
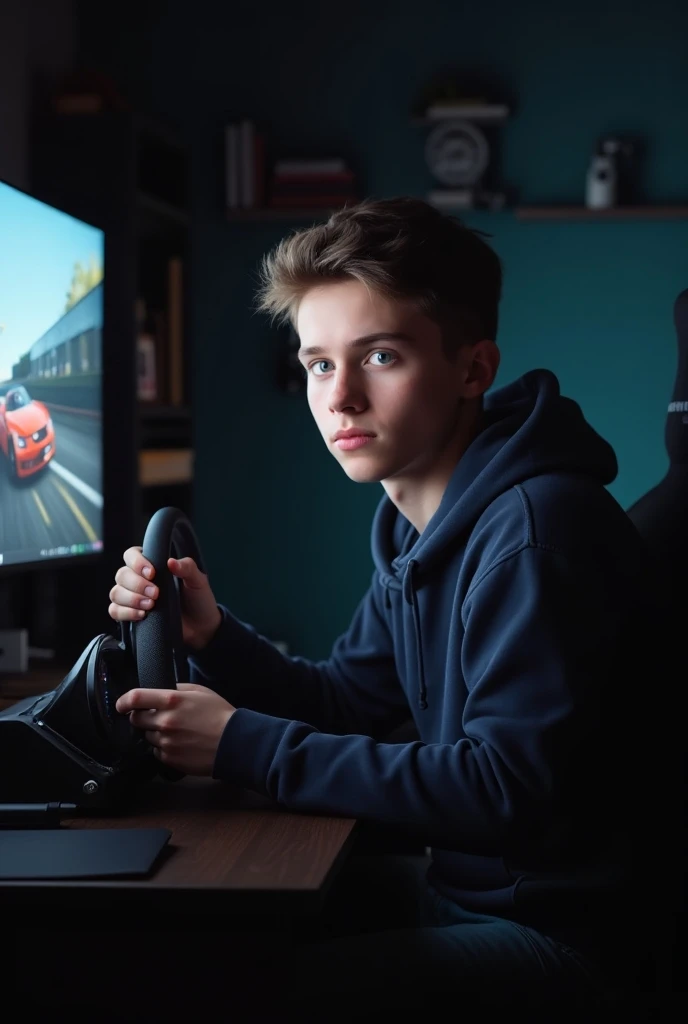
(457, 153)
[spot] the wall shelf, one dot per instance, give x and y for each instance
(164, 426)
(489, 114)
(273, 213)
(157, 411)
(526, 213)
(616, 213)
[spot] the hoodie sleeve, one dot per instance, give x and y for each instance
(356, 690)
(539, 633)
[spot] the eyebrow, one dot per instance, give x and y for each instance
(367, 339)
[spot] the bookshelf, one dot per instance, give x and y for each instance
(268, 213)
(130, 175)
(260, 186)
(523, 213)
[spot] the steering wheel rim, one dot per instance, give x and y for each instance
(157, 640)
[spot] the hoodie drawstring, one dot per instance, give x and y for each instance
(410, 596)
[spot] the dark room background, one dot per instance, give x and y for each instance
(286, 534)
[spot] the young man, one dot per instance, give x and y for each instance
(508, 614)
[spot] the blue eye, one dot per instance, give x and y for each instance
(320, 363)
(386, 355)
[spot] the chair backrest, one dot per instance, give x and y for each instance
(661, 517)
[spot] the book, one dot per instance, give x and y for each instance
(146, 381)
(232, 166)
(175, 327)
(159, 466)
(259, 168)
(244, 166)
(247, 164)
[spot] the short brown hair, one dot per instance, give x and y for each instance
(402, 248)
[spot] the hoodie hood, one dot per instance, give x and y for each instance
(529, 429)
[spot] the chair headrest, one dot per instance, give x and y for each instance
(681, 319)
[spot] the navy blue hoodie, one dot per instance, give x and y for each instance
(513, 631)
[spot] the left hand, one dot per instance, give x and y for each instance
(183, 726)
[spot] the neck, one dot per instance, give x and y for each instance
(417, 493)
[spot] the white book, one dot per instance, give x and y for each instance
(247, 177)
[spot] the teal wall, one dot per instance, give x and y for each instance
(285, 532)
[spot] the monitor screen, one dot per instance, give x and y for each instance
(51, 325)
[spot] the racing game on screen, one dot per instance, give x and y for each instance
(51, 320)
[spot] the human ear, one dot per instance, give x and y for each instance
(480, 368)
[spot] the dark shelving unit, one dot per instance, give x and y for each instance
(130, 176)
(269, 213)
(614, 213)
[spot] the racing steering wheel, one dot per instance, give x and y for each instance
(71, 744)
(157, 642)
(150, 653)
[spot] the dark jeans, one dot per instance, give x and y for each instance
(386, 945)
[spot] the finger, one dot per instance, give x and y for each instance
(133, 557)
(187, 570)
(191, 686)
(124, 704)
(141, 698)
(156, 739)
(150, 697)
(122, 596)
(130, 580)
(144, 719)
(120, 614)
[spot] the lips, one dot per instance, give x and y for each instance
(351, 432)
(353, 441)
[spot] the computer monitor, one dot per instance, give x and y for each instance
(51, 357)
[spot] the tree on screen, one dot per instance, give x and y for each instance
(84, 279)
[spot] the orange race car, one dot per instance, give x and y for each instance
(27, 435)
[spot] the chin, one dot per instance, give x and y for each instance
(362, 472)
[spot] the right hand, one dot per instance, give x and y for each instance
(135, 593)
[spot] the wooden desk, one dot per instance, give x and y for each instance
(231, 851)
(243, 881)
(201, 940)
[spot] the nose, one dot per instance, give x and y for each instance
(347, 392)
